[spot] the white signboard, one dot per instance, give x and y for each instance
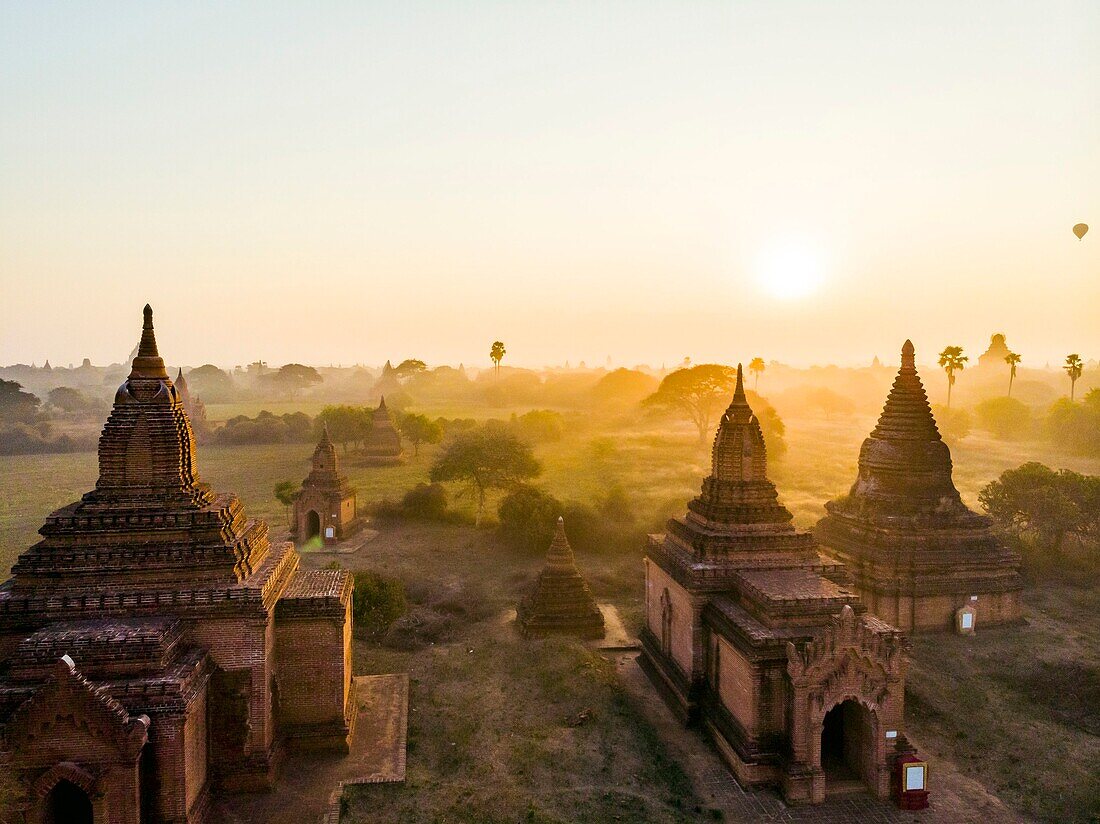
(914, 777)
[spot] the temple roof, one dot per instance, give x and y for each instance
(325, 471)
(904, 465)
(738, 491)
(150, 523)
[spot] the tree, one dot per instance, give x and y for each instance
(496, 354)
(346, 424)
(286, 493)
(700, 392)
(952, 360)
(294, 377)
(409, 367)
(486, 458)
(68, 399)
(418, 429)
(623, 387)
(1036, 501)
(528, 517)
(214, 384)
(1074, 367)
(1011, 359)
(1006, 418)
(17, 406)
(756, 366)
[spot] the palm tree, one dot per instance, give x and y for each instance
(756, 366)
(1011, 359)
(1074, 367)
(952, 360)
(496, 354)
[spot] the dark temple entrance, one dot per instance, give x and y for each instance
(68, 804)
(847, 748)
(313, 524)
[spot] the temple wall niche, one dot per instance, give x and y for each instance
(683, 618)
(737, 687)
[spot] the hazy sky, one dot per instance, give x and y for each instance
(347, 182)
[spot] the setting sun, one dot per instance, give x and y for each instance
(789, 271)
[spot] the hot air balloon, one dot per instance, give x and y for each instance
(1080, 230)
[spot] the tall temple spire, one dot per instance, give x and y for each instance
(148, 362)
(908, 355)
(560, 554)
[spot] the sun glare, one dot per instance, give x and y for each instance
(789, 271)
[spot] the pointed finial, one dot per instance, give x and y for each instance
(147, 362)
(179, 374)
(739, 392)
(908, 356)
(382, 402)
(325, 438)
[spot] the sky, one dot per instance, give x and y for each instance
(346, 182)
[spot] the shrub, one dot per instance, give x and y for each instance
(527, 518)
(954, 424)
(426, 501)
(378, 602)
(1005, 418)
(539, 426)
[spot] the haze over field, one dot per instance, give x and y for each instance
(810, 183)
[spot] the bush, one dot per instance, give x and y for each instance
(21, 439)
(425, 501)
(539, 426)
(266, 428)
(378, 602)
(954, 424)
(1005, 418)
(527, 518)
(1076, 426)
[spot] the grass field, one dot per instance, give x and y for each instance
(491, 727)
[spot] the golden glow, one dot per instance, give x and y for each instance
(790, 270)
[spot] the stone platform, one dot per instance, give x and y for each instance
(310, 788)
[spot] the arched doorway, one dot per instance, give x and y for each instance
(68, 804)
(313, 524)
(848, 748)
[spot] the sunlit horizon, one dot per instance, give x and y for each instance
(810, 185)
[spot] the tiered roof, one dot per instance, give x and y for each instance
(737, 518)
(904, 465)
(325, 472)
(561, 602)
(150, 527)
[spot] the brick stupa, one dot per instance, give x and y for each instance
(325, 507)
(382, 446)
(917, 554)
(560, 602)
(749, 634)
(144, 638)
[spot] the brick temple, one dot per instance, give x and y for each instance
(750, 635)
(325, 506)
(382, 446)
(156, 647)
(560, 602)
(195, 409)
(916, 553)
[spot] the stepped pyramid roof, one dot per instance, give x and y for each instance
(560, 602)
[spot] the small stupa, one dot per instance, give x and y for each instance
(382, 447)
(560, 602)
